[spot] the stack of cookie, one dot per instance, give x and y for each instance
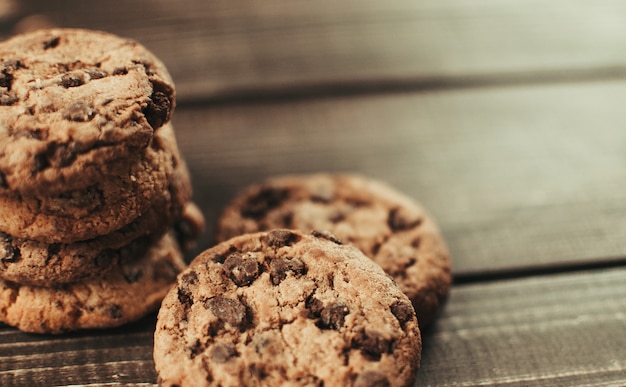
(316, 280)
(95, 199)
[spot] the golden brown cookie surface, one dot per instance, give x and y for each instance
(121, 194)
(70, 98)
(285, 307)
(124, 294)
(390, 228)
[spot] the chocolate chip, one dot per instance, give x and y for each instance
(214, 328)
(53, 250)
(12, 64)
(71, 80)
(6, 79)
(96, 73)
(280, 238)
(220, 258)
(196, 349)
(400, 220)
(228, 310)
(189, 278)
(403, 311)
(120, 71)
(242, 271)
(185, 283)
(7, 98)
(40, 162)
(3, 180)
(51, 43)
(79, 111)
(314, 305)
(60, 155)
(258, 205)
(279, 267)
(6, 72)
(157, 112)
(372, 344)
(371, 379)
(148, 67)
(8, 252)
(185, 297)
(325, 234)
(222, 352)
(332, 316)
(258, 371)
(116, 311)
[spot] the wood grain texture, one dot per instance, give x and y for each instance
(517, 177)
(544, 331)
(116, 356)
(230, 47)
(564, 330)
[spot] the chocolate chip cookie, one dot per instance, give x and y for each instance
(31, 262)
(71, 102)
(124, 294)
(387, 226)
(122, 191)
(284, 307)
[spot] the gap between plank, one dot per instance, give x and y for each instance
(355, 87)
(540, 270)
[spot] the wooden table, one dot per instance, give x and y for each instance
(506, 119)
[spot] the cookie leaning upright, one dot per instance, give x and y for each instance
(78, 113)
(284, 307)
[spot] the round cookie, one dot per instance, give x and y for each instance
(122, 193)
(387, 226)
(129, 292)
(36, 263)
(72, 100)
(283, 307)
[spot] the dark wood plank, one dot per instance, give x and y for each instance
(115, 356)
(518, 177)
(226, 47)
(552, 330)
(563, 330)
(133, 372)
